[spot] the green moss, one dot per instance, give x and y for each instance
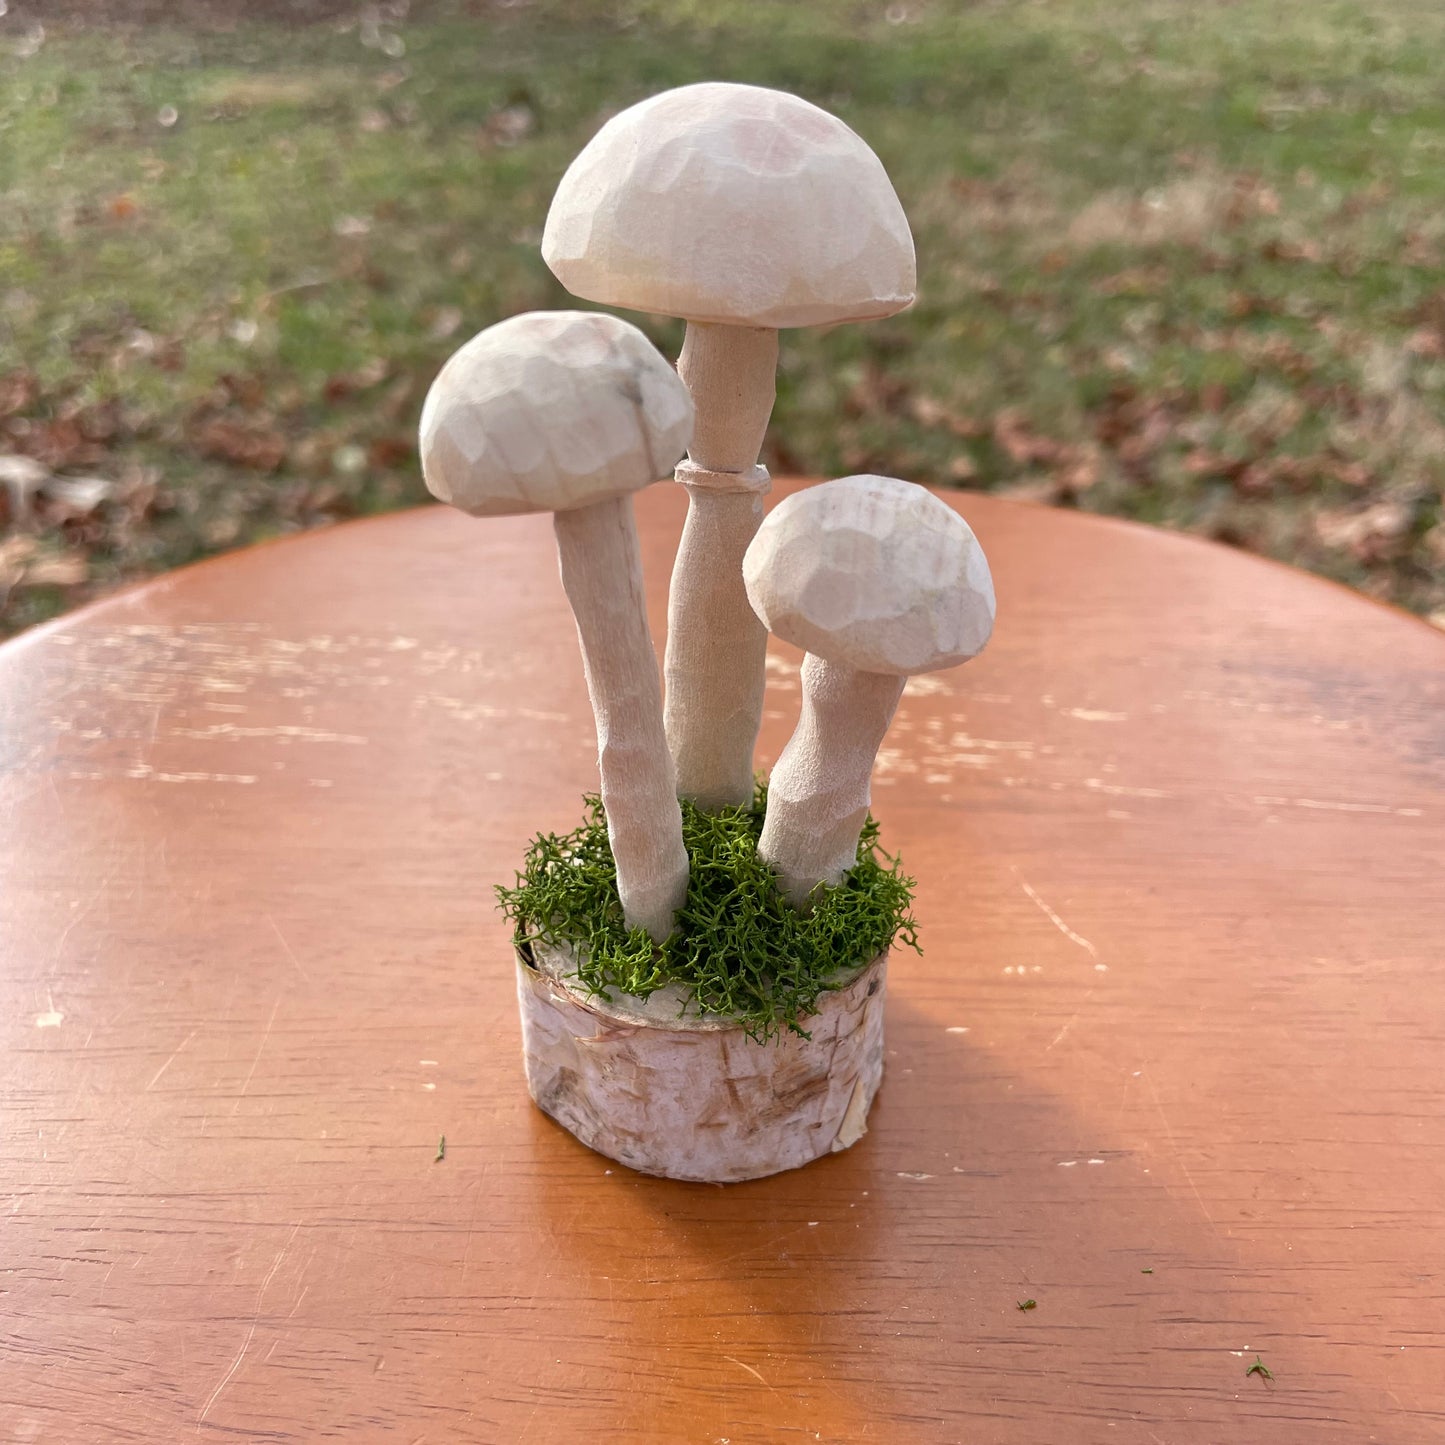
(738, 945)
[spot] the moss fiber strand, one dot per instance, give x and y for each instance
(739, 948)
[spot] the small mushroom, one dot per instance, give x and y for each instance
(571, 412)
(742, 210)
(878, 580)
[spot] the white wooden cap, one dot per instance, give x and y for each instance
(872, 572)
(552, 410)
(734, 204)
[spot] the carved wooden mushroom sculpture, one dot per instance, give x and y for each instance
(570, 413)
(742, 210)
(878, 580)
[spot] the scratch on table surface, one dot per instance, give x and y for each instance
(1099, 965)
(281, 732)
(928, 684)
(477, 1205)
(250, 1333)
(290, 952)
(1119, 790)
(52, 1018)
(1059, 923)
(260, 1048)
(732, 1361)
(75, 922)
(1322, 806)
(962, 741)
(766, 1246)
(226, 1378)
(144, 772)
(156, 1077)
(1089, 714)
(462, 711)
(1174, 1151)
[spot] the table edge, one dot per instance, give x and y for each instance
(130, 592)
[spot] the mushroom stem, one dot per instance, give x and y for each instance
(601, 568)
(732, 373)
(818, 796)
(715, 642)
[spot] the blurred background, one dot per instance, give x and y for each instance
(1179, 260)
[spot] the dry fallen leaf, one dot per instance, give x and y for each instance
(19, 391)
(1367, 534)
(345, 383)
(509, 125)
(15, 552)
(1039, 490)
(929, 412)
(252, 447)
(387, 452)
(445, 321)
(61, 569)
(1022, 446)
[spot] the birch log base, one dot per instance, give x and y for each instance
(664, 1091)
(1180, 837)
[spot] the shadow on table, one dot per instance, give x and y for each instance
(878, 1290)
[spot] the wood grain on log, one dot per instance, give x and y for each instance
(656, 1086)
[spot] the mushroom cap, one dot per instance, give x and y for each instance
(552, 410)
(872, 572)
(732, 204)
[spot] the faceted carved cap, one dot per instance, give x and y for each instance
(872, 572)
(734, 204)
(552, 410)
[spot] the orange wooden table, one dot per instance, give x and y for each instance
(1172, 1064)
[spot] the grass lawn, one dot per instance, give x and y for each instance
(1180, 260)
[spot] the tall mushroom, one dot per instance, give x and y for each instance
(571, 412)
(742, 210)
(878, 580)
